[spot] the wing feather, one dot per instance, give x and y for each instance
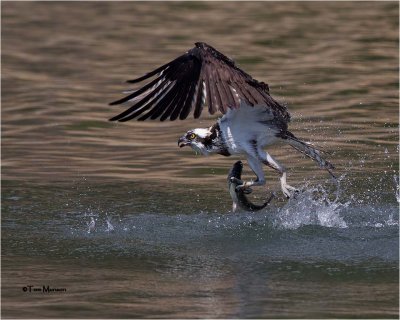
(199, 100)
(176, 103)
(169, 99)
(145, 103)
(152, 73)
(140, 105)
(201, 76)
(218, 94)
(238, 85)
(166, 98)
(139, 91)
(227, 96)
(189, 99)
(231, 102)
(209, 93)
(189, 84)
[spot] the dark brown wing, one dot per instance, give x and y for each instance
(201, 76)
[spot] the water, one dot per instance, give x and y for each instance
(175, 250)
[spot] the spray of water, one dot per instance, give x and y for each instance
(313, 206)
(328, 205)
(397, 187)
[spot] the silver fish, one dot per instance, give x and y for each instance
(238, 195)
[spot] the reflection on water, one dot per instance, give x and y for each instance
(175, 251)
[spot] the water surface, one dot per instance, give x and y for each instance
(176, 250)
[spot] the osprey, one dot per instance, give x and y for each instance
(251, 119)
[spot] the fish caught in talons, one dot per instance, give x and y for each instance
(238, 195)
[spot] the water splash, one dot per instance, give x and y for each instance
(110, 227)
(91, 225)
(397, 187)
(313, 206)
(390, 221)
(333, 204)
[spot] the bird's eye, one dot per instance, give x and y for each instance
(192, 136)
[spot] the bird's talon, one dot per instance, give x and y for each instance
(245, 189)
(240, 187)
(289, 194)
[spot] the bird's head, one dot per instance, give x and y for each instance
(198, 139)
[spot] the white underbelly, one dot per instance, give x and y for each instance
(238, 137)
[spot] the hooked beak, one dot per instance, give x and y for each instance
(183, 142)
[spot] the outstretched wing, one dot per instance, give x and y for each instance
(201, 76)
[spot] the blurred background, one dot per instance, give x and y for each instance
(334, 64)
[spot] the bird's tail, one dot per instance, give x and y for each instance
(309, 151)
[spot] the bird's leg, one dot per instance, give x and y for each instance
(241, 185)
(287, 189)
(267, 159)
(256, 166)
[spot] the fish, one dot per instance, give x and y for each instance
(238, 195)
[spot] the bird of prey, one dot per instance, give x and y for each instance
(251, 119)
